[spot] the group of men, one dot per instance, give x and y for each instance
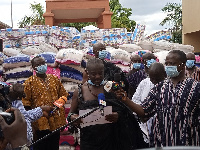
(168, 94)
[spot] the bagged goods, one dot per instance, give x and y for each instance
(11, 52)
(49, 57)
(70, 86)
(146, 45)
(69, 56)
(47, 48)
(71, 76)
(184, 48)
(125, 69)
(120, 56)
(32, 50)
(130, 47)
(161, 56)
(16, 61)
(74, 68)
(165, 45)
(17, 80)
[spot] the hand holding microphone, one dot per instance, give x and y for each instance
(102, 102)
(59, 103)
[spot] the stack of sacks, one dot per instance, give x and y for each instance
(71, 72)
(115, 36)
(130, 47)
(129, 37)
(50, 59)
(17, 68)
(120, 58)
(146, 45)
(2, 57)
(32, 50)
(163, 45)
(90, 35)
(11, 37)
(47, 48)
(184, 48)
(11, 51)
(161, 56)
(88, 53)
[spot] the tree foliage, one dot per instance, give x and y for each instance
(120, 17)
(36, 18)
(174, 19)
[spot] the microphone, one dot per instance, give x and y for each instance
(102, 102)
(59, 103)
(117, 83)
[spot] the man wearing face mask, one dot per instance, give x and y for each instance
(135, 75)
(44, 89)
(147, 60)
(175, 102)
(191, 70)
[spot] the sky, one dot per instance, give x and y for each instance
(146, 12)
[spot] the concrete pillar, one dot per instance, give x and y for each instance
(49, 18)
(104, 21)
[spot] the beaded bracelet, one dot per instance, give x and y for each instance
(69, 117)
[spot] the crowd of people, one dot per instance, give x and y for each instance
(158, 106)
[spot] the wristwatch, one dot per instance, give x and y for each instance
(22, 148)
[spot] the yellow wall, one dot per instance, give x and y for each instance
(191, 15)
(191, 23)
(193, 39)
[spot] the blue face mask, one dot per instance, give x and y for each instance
(91, 83)
(171, 71)
(103, 54)
(190, 63)
(149, 62)
(41, 69)
(136, 65)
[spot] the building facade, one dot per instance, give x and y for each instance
(71, 11)
(191, 23)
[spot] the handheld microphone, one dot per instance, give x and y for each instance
(117, 83)
(59, 103)
(102, 102)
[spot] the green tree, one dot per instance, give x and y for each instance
(36, 18)
(120, 17)
(174, 19)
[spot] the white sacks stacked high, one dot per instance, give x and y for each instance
(71, 72)
(17, 68)
(120, 58)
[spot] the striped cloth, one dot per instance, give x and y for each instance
(176, 109)
(194, 75)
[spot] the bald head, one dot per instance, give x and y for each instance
(98, 47)
(190, 56)
(148, 56)
(135, 58)
(157, 72)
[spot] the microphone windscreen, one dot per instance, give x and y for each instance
(117, 77)
(101, 96)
